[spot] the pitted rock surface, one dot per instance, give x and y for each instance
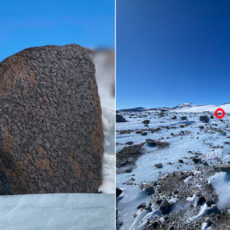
(51, 137)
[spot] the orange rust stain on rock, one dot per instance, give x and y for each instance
(44, 163)
(7, 143)
(17, 71)
(42, 150)
(78, 168)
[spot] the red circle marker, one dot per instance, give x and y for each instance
(222, 113)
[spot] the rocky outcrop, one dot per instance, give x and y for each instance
(51, 137)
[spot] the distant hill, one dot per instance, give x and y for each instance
(185, 107)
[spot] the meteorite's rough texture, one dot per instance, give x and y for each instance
(51, 137)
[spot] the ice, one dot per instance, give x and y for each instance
(109, 164)
(205, 226)
(57, 211)
(105, 76)
(186, 181)
(204, 210)
(214, 154)
(193, 200)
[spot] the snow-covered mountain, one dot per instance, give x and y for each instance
(184, 105)
(201, 108)
(184, 108)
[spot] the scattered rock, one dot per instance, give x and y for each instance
(151, 142)
(144, 133)
(204, 119)
(154, 224)
(146, 122)
(210, 202)
(129, 170)
(120, 118)
(142, 205)
(138, 131)
(118, 192)
(222, 168)
(164, 207)
(159, 165)
(133, 152)
(125, 131)
(208, 222)
(175, 191)
(129, 143)
(159, 144)
(149, 190)
(196, 160)
(171, 228)
(219, 130)
(201, 200)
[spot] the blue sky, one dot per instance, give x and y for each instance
(171, 52)
(27, 23)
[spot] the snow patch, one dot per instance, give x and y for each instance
(221, 183)
(57, 211)
(106, 86)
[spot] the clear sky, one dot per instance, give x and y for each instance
(27, 23)
(172, 51)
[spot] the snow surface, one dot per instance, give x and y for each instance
(206, 143)
(221, 183)
(57, 212)
(105, 76)
(188, 108)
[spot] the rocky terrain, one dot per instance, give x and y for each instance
(173, 169)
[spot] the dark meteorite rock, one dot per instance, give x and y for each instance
(51, 137)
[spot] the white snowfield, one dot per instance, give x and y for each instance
(105, 76)
(57, 212)
(188, 108)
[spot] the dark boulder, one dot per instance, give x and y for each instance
(146, 122)
(164, 207)
(159, 144)
(51, 136)
(204, 119)
(118, 192)
(159, 165)
(149, 190)
(120, 118)
(142, 205)
(129, 143)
